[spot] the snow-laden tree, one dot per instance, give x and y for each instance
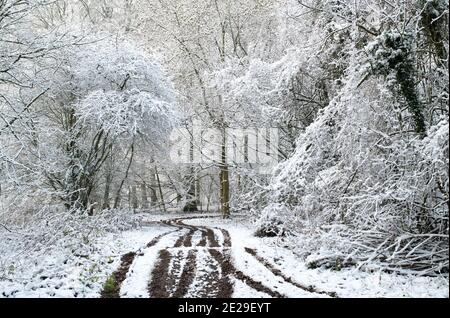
(102, 99)
(362, 182)
(23, 48)
(284, 80)
(106, 93)
(224, 31)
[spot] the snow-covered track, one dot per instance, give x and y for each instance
(197, 261)
(278, 272)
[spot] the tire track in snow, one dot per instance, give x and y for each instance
(126, 261)
(161, 282)
(278, 272)
(119, 276)
(207, 279)
(209, 232)
(136, 283)
(176, 266)
(223, 261)
(156, 239)
(211, 238)
(173, 268)
(157, 285)
(229, 269)
(202, 242)
(187, 276)
(226, 237)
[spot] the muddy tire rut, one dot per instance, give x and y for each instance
(176, 271)
(279, 273)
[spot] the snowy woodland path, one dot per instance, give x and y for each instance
(197, 261)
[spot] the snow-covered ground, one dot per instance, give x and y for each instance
(65, 273)
(348, 282)
(134, 285)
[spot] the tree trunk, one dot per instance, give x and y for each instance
(191, 203)
(198, 193)
(119, 190)
(144, 196)
(224, 182)
(106, 195)
(134, 198)
(153, 196)
(160, 190)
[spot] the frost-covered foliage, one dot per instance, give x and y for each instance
(358, 91)
(119, 89)
(368, 180)
(54, 252)
(50, 229)
(100, 98)
(366, 177)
